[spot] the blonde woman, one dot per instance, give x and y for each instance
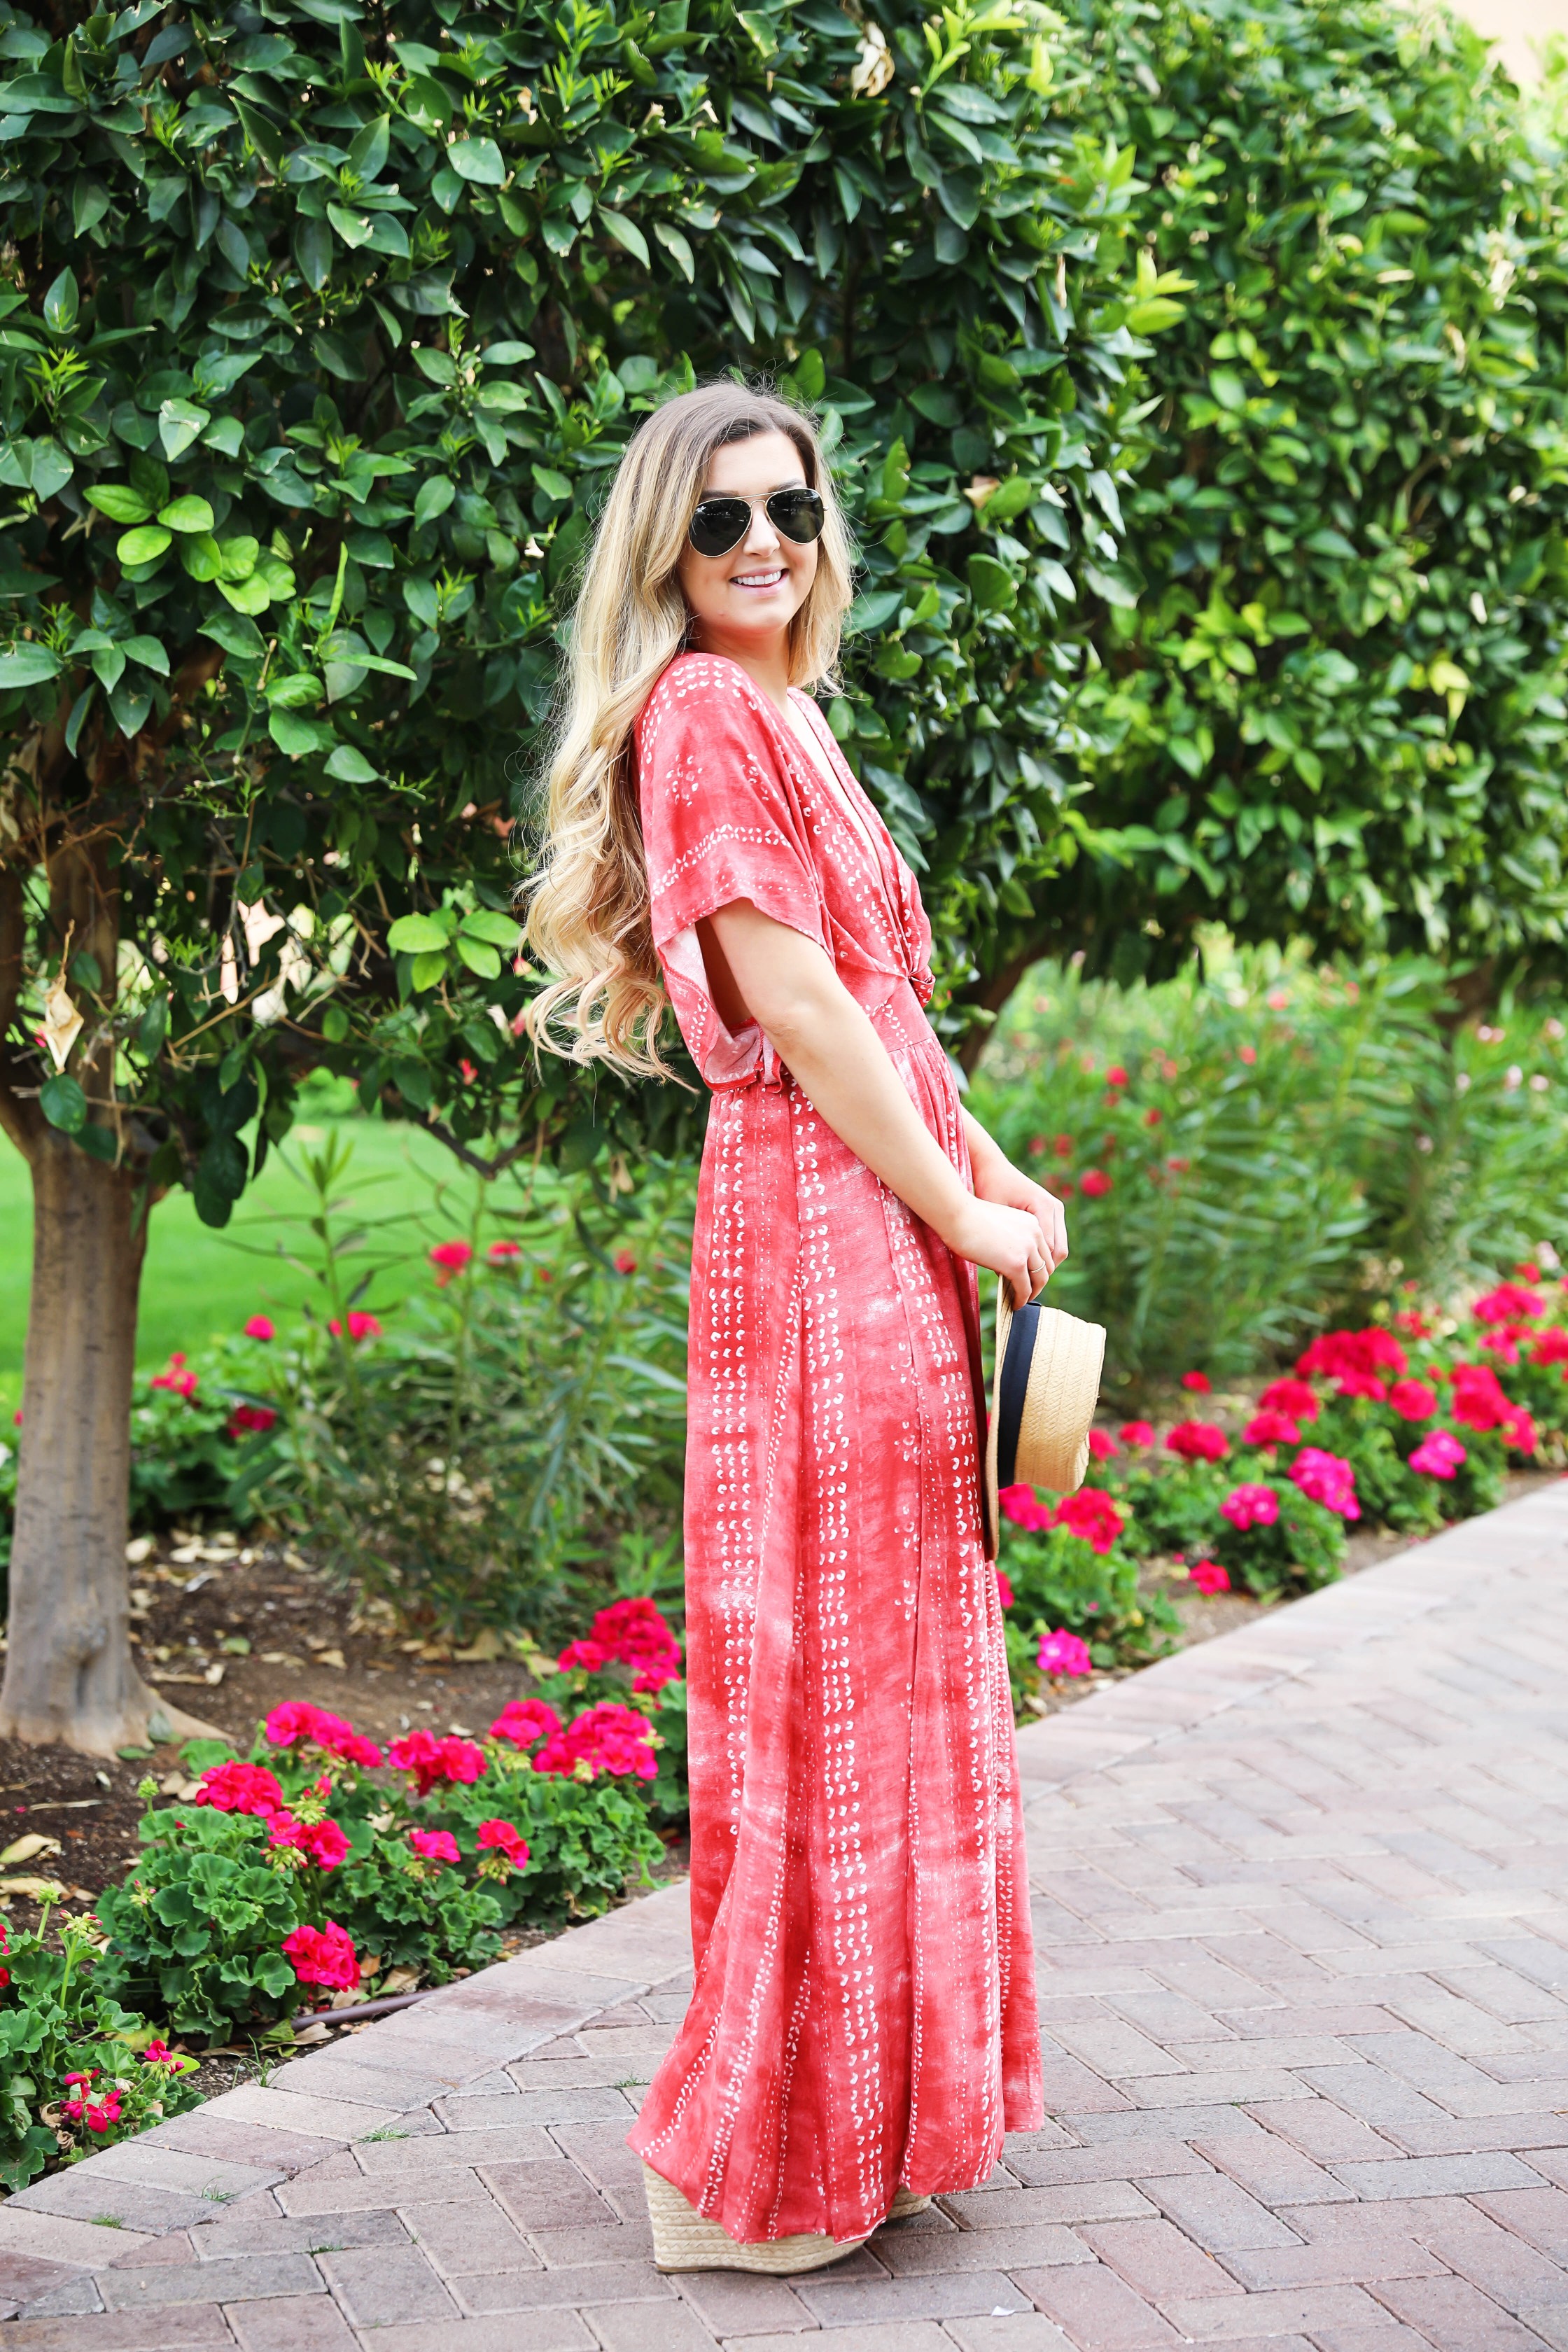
(863, 2027)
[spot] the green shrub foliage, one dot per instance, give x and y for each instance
(1337, 707)
(321, 330)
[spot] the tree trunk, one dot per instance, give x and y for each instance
(69, 1670)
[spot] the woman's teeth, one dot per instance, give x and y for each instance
(758, 579)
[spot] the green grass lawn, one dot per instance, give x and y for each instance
(198, 1283)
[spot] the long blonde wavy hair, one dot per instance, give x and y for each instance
(587, 900)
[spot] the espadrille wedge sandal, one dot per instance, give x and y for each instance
(685, 2240)
(906, 2202)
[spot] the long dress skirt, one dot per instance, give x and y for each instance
(863, 2012)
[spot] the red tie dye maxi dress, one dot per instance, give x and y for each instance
(864, 2015)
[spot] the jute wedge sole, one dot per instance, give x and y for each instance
(685, 2240)
(906, 2202)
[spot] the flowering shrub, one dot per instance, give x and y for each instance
(1071, 1574)
(275, 1872)
(77, 2070)
(629, 1633)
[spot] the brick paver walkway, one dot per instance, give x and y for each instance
(1302, 1916)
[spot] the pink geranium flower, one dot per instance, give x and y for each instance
(1023, 1508)
(499, 1252)
(629, 1633)
(1003, 1590)
(1272, 1429)
(1064, 1654)
(435, 1845)
(240, 1789)
(1208, 1576)
(1438, 1456)
(1137, 1432)
(1362, 1384)
(176, 1377)
(260, 1326)
(1102, 1446)
(1251, 1506)
(1551, 1347)
(1327, 1478)
(1198, 1382)
(449, 1259)
(1091, 1515)
(1198, 1441)
(246, 1418)
(323, 1955)
(1335, 1353)
(1094, 1183)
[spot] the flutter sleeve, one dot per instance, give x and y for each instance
(721, 820)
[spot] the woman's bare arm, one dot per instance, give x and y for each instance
(765, 972)
(996, 1178)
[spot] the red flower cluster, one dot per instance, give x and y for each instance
(1334, 1354)
(1003, 1590)
(1089, 1514)
(4, 1947)
(298, 1721)
(608, 1738)
(360, 1325)
(323, 1955)
(1137, 1432)
(1198, 1441)
(1509, 1303)
(1094, 1183)
(430, 1759)
(449, 1259)
(630, 1634)
(240, 1789)
(435, 1845)
(499, 1252)
(248, 1417)
(176, 1378)
(96, 2114)
(321, 1843)
(509, 1845)
(1271, 1429)
(1479, 1403)
(1102, 1446)
(1551, 1347)
(1297, 1398)
(1198, 1382)
(524, 1720)
(1412, 1400)
(1208, 1576)
(261, 1326)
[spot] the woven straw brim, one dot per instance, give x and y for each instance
(685, 2240)
(1063, 1390)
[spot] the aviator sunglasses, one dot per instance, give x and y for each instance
(721, 524)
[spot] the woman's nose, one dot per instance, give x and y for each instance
(761, 539)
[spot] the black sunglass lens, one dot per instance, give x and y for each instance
(798, 514)
(719, 525)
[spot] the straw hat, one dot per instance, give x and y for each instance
(1043, 1396)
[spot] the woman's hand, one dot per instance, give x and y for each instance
(997, 1180)
(1008, 1240)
